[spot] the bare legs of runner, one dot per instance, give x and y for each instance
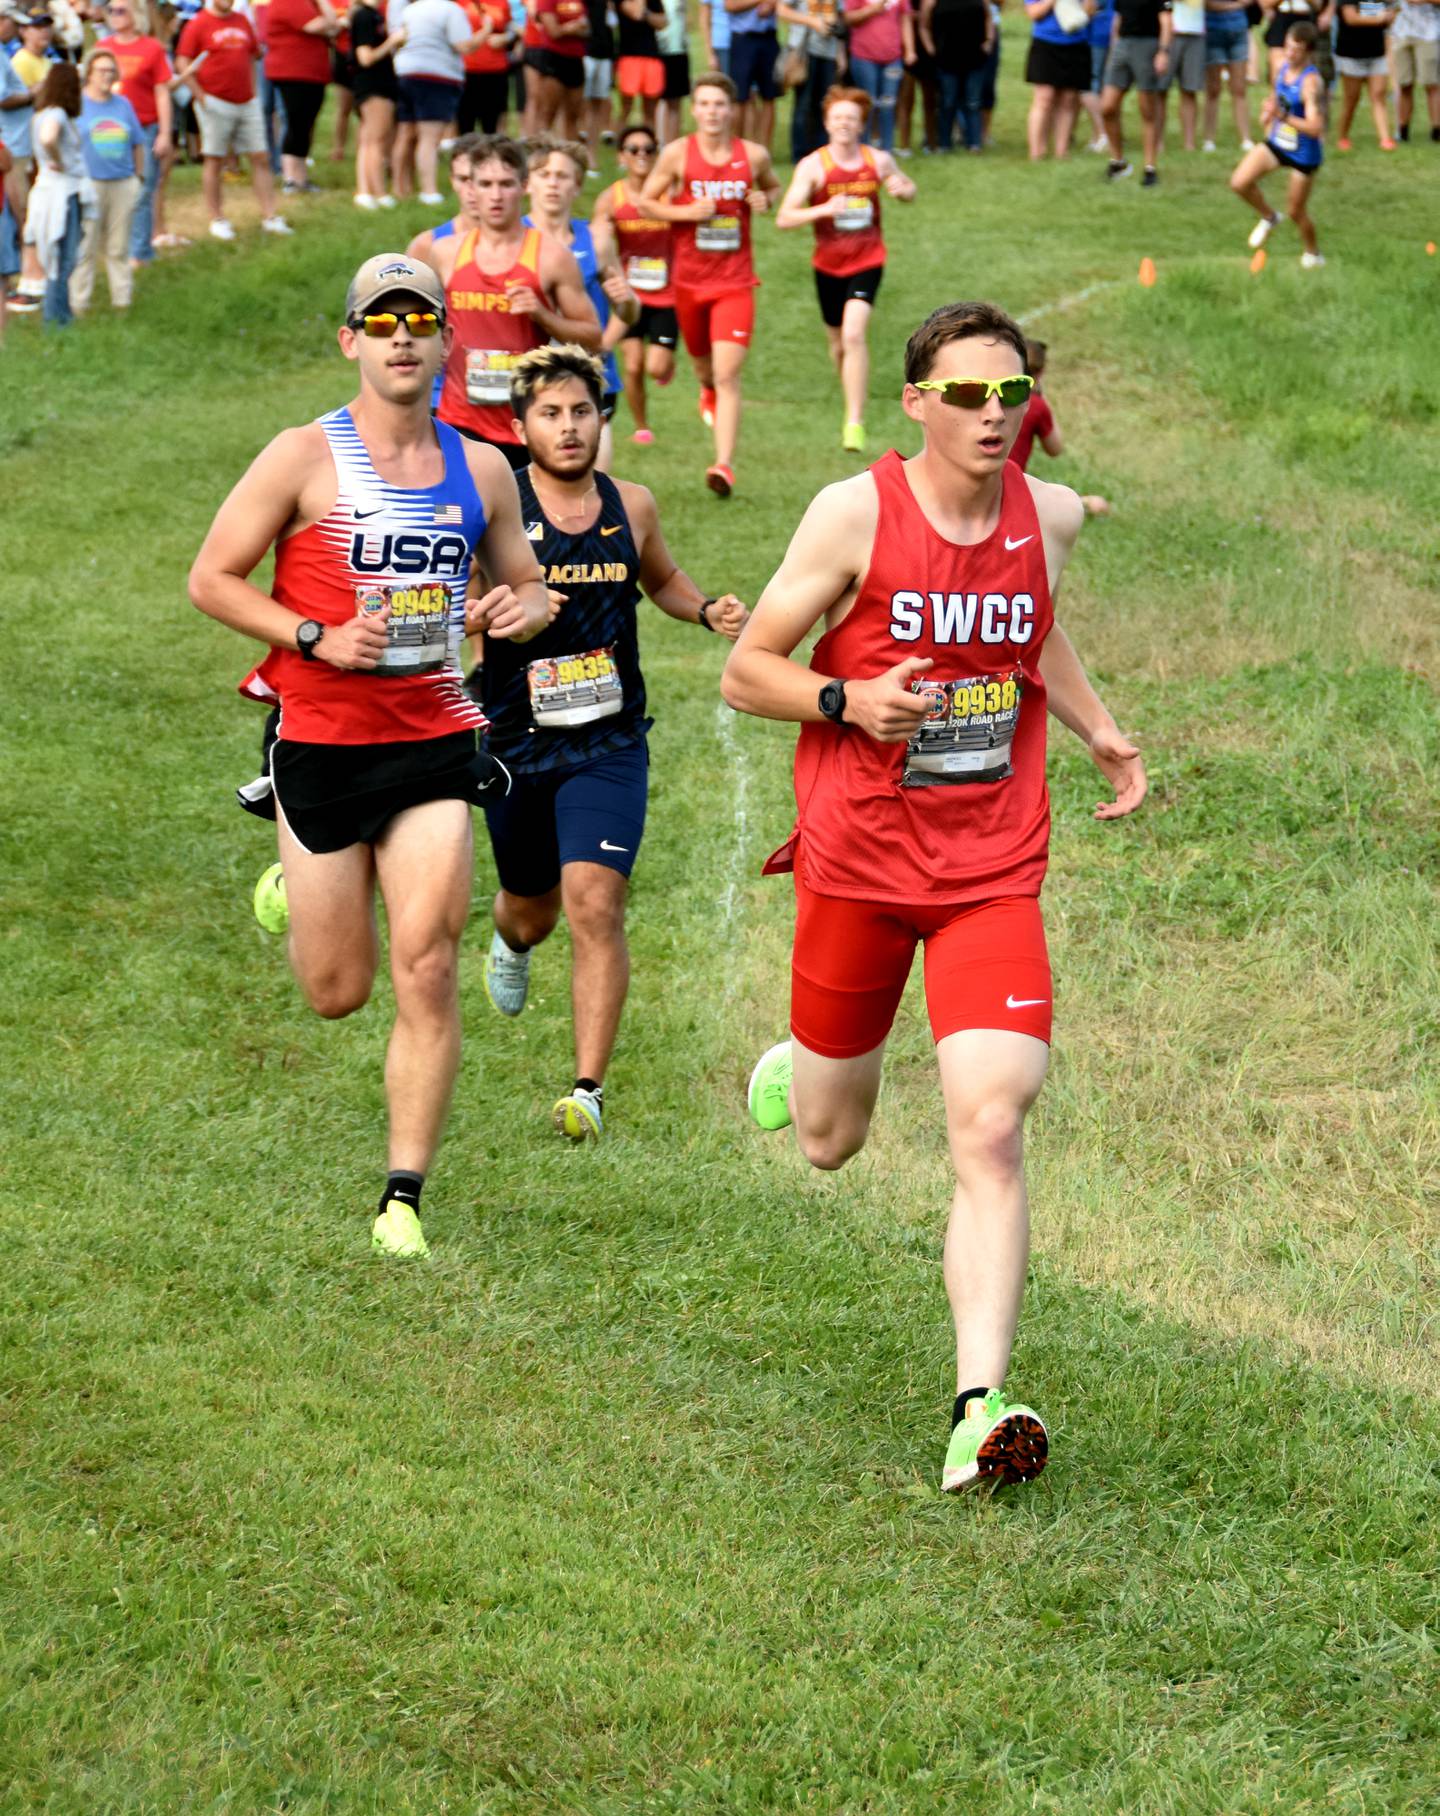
(850, 351)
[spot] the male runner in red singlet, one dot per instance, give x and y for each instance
(647, 256)
(723, 180)
(377, 515)
(920, 778)
(837, 191)
(508, 290)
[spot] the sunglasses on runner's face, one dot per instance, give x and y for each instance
(419, 323)
(975, 393)
(640, 148)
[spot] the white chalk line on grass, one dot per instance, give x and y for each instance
(1061, 304)
(738, 770)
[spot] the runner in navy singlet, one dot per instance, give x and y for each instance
(567, 714)
(377, 515)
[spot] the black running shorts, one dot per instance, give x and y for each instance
(332, 796)
(659, 326)
(835, 292)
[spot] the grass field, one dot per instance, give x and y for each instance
(627, 1501)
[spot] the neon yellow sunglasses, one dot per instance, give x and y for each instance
(975, 393)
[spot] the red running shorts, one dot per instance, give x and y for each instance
(986, 966)
(706, 321)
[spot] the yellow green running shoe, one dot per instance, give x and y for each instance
(769, 1093)
(396, 1232)
(853, 438)
(271, 909)
(580, 1114)
(1005, 1443)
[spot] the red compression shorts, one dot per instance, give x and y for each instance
(985, 967)
(703, 322)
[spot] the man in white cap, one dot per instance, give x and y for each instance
(378, 516)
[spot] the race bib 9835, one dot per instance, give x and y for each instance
(574, 690)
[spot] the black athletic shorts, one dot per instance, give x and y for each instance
(1049, 65)
(659, 326)
(332, 796)
(608, 404)
(591, 812)
(514, 451)
(569, 72)
(835, 292)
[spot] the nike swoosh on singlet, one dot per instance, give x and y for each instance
(1025, 1002)
(1020, 542)
(614, 529)
(360, 516)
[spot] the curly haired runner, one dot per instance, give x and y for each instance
(924, 818)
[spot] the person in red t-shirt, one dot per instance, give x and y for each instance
(298, 37)
(144, 82)
(837, 191)
(924, 817)
(215, 58)
(723, 180)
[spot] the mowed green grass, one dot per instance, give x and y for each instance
(627, 1501)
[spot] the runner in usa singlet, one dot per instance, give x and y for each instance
(380, 545)
(961, 813)
(713, 258)
(488, 339)
(851, 241)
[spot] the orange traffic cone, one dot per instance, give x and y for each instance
(1147, 272)
(1430, 247)
(1257, 264)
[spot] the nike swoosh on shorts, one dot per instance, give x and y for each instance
(1025, 1002)
(605, 845)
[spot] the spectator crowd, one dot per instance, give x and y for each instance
(100, 98)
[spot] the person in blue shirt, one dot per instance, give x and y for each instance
(1292, 120)
(113, 143)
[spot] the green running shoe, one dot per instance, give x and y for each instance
(271, 909)
(396, 1232)
(507, 977)
(1006, 1443)
(853, 438)
(769, 1093)
(580, 1115)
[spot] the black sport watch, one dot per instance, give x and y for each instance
(832, 701)
(307, 636)
(702, 617)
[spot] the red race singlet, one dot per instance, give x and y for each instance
(488, 339)
(712, 258)
(851, 242)
(647, 251)
(961, 813)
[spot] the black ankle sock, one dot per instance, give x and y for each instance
(404, 1186)
(962, 1400)
(510, 946)
(593, 1086)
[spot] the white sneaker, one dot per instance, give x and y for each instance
(1209, 145)
(507, 977)
(447, 146)
(1100, 144)
(432, 199)
(384, 201)
(276, 224)
(1311, 261)
(1247, 145)
(221, 230)
(1261, 231)
(367, 202)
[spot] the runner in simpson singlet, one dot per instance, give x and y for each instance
(1292, 120)
(836, 190)
(558, 169)
(707, 186)
(924, 817)
(647, 255)
(376, 514)
(567, 716)
(509, 289)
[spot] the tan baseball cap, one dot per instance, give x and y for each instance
(387, 274)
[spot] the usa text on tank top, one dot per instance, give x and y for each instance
(713, 257)
(961, 813)
(576, 690)
(850, 241)
(380, 545)
(488, 338)
(646, 250)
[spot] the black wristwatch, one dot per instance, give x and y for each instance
(307, 636)
(705, 605)
(832, 701)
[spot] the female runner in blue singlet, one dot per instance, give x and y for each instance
(1293, 122)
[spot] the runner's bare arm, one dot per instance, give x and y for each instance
(624, 304)
(765, 187)
(290, 482)
(664, 581)
(822, 568)
(1075, 703)
(517, 605)
(898, 186)
(797, 210)
(573, 318)
(419, 247)
(657, 199)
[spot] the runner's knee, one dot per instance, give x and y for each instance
(989, 1135)
(595, 911)
(424, 978)
(529, 918)
(828, 1145)
(337, 992)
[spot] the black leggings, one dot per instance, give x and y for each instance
(483, 98)
(302, 102)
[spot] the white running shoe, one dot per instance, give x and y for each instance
(276, 223)
(1311, 261)
(385, 201)
(221, 230)
(1247, 145)
(431, 198)
(507, 977)
(368, 202)
(1209, 145)
(1100, 144)
(1261, 231)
